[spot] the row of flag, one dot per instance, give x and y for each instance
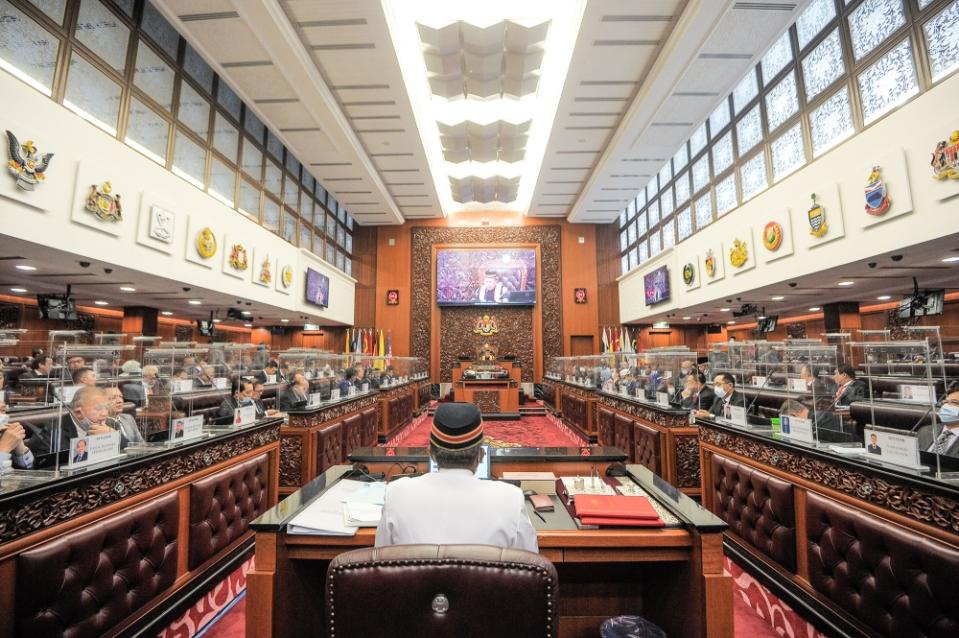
(619, 339)
(369, 341)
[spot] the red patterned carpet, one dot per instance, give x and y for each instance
(530, 431)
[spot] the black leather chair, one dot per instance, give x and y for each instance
(434, 591)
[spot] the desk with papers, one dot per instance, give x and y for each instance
(672, 574)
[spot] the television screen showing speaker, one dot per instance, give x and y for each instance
(767, 324)
(922, 304)
(656, 285)
(317, 288)
(486, 276)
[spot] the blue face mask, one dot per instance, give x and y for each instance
(948, 413)
(719, 390)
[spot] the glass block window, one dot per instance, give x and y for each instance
(642, 224)
(749, 130)
(189, 159)
(103, 33)
(159, 30)
(701, 173)
(624, 239)
(722, 153)
(317, 243)
(704, 210)
(289, 228)
(753, 176)
(92, 95)
(655, 243)
(684, 224)
(782, 102)
(669, 234)
(226, 137)
(348, 266)
(681, 188)
(653, 212)
(641, 199)
(249, 199)
(27, 50)
(340, 260)
(331, 227)
(222, 182)
(697, 140)
(630, 210)
(681, 158)
(273, 145)
(305, 236)
(623, 217)
(330, 253)
(194, 110)
(624, 263)
(631, 232)
(872, 22)
(273, 178)
(823, 66)
(831, 122)
(153, 76)
(665, 174)
(291, 195)
(719, 118)
(745, 91)
(198, 69)
(147, 132)
(643, 251)
(271, 214)
(780, 54)
(889, 82)
(814, 19)
(942, 41)
(924, 3)
(53, 8)
(229, 100)
(253, 125)
(252, 160)
(726, 195)
(788, 152)
(666, 203)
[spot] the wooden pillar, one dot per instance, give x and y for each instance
(842, 316)
(140, 320)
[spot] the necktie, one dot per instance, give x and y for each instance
(943, 442)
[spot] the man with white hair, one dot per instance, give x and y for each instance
(87, 416)
(140, 393)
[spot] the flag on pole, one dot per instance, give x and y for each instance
(389, 344)
(605, 340)
(347, 347)
(626, 340)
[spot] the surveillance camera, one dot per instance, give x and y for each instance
(108, 270)
(896, 257)
(186, 289)
(793, 284)
(84, 264)
(872, 264)
(729, 301)
(739, 298)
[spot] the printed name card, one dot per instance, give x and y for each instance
(916, 393)
(796, 428)
(334, 394)
(315, 399)
(736, 414)
(94, 448)
(221, 383)
(365, 387)
(796, 385)
(182, 385)
(244, 416)
(271, 378)
(352, 390)
(186, 428)
(662, 398)
(898, 447)
(759, 381)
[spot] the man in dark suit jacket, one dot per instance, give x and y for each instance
(346, 382)
(696, 395)
(242, 394)
(724, 387)
(87, 416)
(39, 369)
(269, 370)
(295, 395)
(850, 389)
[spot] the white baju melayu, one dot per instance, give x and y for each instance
(453, 507)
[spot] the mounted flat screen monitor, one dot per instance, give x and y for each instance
(767, 324)
(928, 303)
(317, 288)
(486, 277)
(206, 328)
(656, 286)
(57, 307)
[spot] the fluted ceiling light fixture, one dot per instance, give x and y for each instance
(484, 80)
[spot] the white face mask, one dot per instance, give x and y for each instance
(948, 413)
(719, 390)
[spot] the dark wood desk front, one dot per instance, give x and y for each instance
(672, 576)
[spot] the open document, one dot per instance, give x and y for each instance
(341, 510)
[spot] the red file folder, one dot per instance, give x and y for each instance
(622, 522)
(616, 507)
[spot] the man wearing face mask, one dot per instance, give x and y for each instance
(87, 416)
(296, 394)
(724, 387)
(241, 396)
(695, 395)
(947, 442)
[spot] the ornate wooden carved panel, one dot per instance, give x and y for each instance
(907, 500)
(650, 414)
(549, 296)
(334, 412)
(21, 517)
(687, 461)
(291, 460)
(486, 401)
(515, 336)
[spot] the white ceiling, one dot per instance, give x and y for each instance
(325, 76)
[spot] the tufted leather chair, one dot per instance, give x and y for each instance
(352, 434)
(606, 419)
(897, 582)
(439, 591)
(888, 387)
(646, 447)
(891, 415)
(369, 427)
(206, 403)
(91, 579)
(329, 447)
(623, 435)
(952, 369)
(574, 411)
(222, 506)
(549, 394)
(758, 507)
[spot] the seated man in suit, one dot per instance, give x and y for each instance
(943, 438)
(269, 370)
(347, 381)
(13, 448)
(241, 395)
(824, 420)
(39, 369)
(120, 420)
(205, 378)
(191, 367)
(295, 395)
(850, 388)
(359, 378)
(87, 416)
(73, 364)
(724, 387)
(261, 409)
(139, 393)
(85, 376)
(452, 505)
(696, 395)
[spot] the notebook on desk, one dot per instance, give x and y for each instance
(627, 511)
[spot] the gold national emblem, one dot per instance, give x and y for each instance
(286, 276)
(266, 272)
(710, 263)
(817, 219)
(104, 204)
(485, 326)
(206, 243)
(738, 254)
(238, 257)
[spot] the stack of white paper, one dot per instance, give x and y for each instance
(343, 508)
